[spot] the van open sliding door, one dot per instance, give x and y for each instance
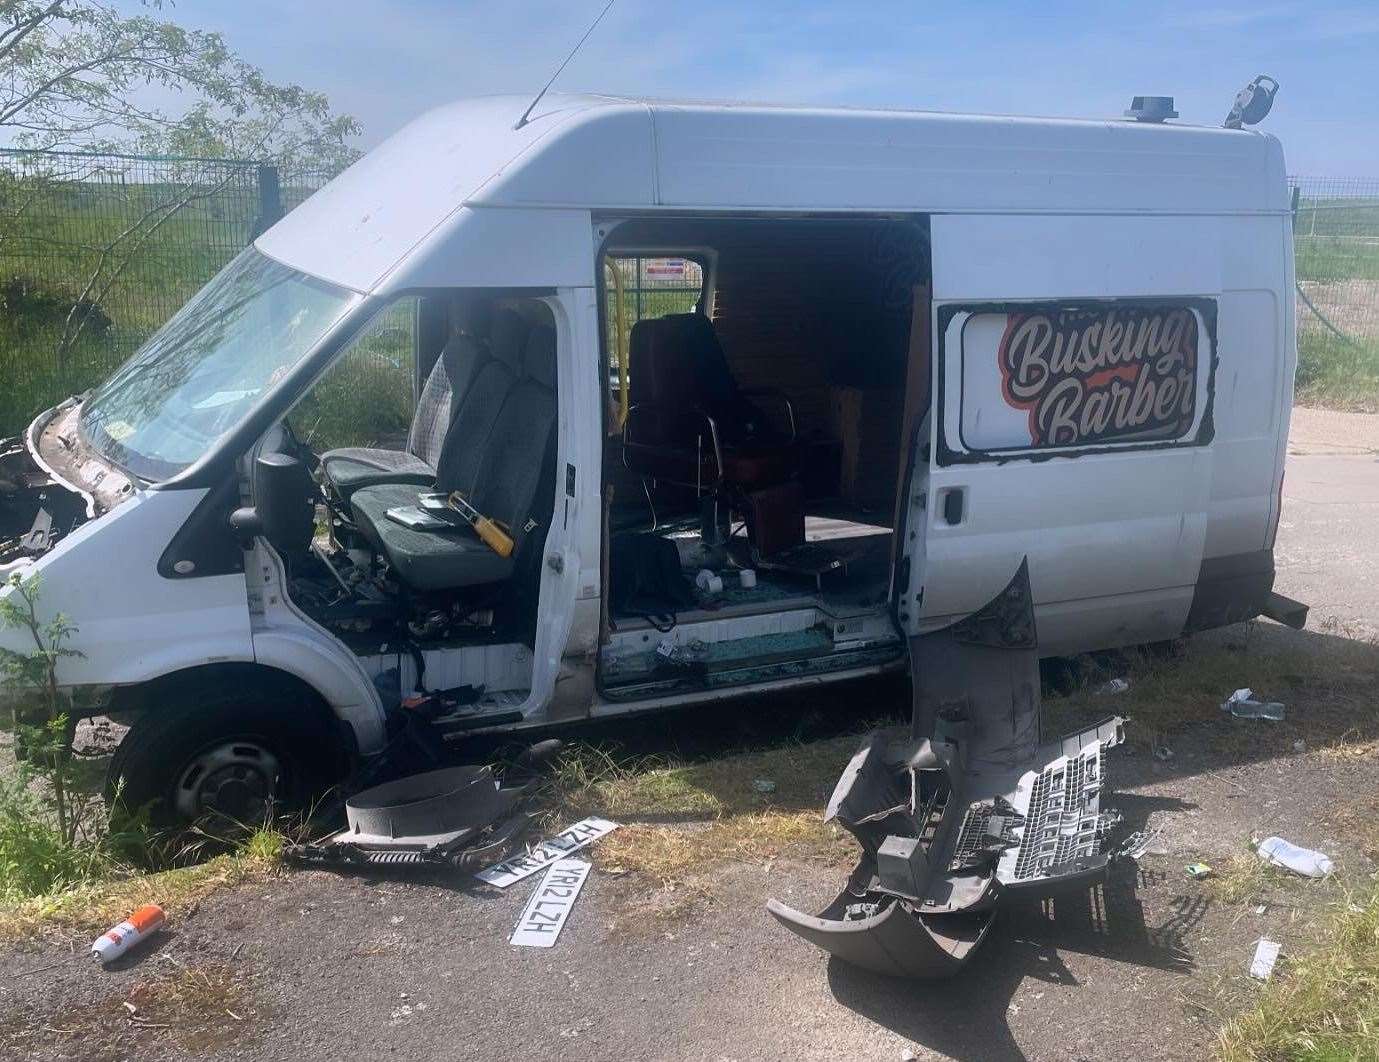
(1072, 420)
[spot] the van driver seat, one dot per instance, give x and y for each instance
(464, 364)
(510, 480)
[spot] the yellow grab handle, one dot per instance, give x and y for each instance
(494, 536)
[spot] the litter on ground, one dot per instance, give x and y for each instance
(1243, 705)
(135, 929)
(1304, 861)
(1266, 954)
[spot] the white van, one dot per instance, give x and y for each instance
(871, 358)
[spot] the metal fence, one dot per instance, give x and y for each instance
(97, 251)
(1336, 237)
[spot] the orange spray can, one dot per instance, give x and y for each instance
(142, 924)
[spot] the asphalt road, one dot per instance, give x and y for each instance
(1327, 550)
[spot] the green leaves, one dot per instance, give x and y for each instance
(41, 724)
(78, 71)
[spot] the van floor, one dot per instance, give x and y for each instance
(788, 623)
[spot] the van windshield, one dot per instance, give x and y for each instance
(201, 373)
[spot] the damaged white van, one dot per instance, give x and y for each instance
(634, 405)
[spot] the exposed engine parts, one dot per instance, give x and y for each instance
(36, 511)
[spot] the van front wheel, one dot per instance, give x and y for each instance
(224, 756)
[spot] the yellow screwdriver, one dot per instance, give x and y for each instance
(492, 535)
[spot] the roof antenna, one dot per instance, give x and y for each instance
(546, 88)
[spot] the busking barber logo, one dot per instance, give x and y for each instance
(1104, 374)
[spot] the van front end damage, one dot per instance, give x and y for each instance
(965, 807)
(51, 483)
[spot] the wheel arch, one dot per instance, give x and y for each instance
(256, 680)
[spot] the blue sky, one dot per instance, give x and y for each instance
(387, 60)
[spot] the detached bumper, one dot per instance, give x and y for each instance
(966, 807)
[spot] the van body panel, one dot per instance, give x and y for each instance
(302, 652)
(1103, 526)
(361, 225)
(999, 257)
(801, 159)
(509, 248)
(724, 157)
(287, 639)
(132, 623)
(1254, 387)
(573, 542)
(1244, 476)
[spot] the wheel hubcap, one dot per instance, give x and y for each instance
(237, 780)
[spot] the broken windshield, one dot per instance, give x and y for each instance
(200, 374)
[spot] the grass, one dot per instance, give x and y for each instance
(680, 821)
(1336, 374)
(1324, 1005)
(1245, 879)
(1327, 689)
(86, 909)
(56, 245)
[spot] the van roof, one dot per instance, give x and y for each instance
(613, 154)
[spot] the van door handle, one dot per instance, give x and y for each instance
(954, 502)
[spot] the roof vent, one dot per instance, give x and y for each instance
(1151, 108)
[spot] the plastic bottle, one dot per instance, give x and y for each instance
(1302, 861)
(142, 924)
(1243, 705)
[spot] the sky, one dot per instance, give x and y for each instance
(385, 61)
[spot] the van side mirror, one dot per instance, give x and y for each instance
(282, 511)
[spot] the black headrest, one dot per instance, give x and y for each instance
(508, 337)
(538, 360)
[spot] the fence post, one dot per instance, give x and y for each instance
(1297, 195)
(270, 199)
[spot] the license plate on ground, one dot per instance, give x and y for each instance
(568, 840)
(550, 905)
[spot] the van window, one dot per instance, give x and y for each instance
(366, 397)
(201, 373)
(650, 286)
(1054, 376)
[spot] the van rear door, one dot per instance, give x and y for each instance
(1072, 421)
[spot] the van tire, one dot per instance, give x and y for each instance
(236, 754)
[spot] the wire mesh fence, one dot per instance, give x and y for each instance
(1336, 238)
(97, 251)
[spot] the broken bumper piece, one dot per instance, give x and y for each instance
(964, 808)
(458, 817)
(889, 935)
